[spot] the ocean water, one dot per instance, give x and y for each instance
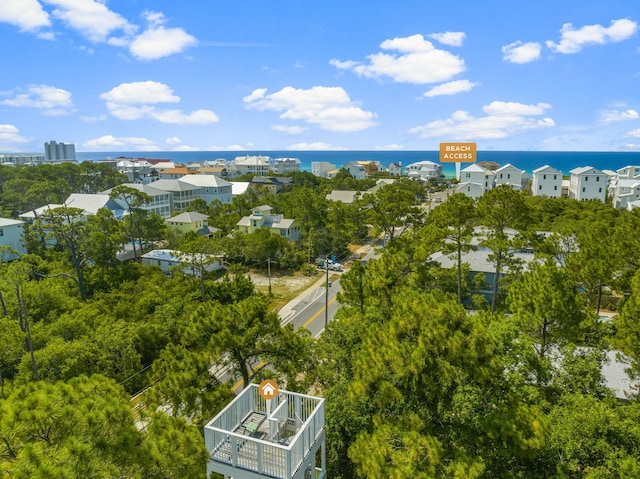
(525, 160)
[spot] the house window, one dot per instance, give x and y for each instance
(599, 190)
(540, 187)
(597, 178)
(583, 189)
(544, 177)
(500, 175)
(555, 188)
(1, 231)
(586, 178)
(555, 177)
(508, 176)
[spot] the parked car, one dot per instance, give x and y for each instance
(330, 264)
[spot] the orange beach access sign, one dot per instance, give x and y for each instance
(458, 152)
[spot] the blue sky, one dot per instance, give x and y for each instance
(146, 75)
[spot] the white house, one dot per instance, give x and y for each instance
(547, 181)
(286, 165)
(255, 165)
(212, 188)
(394, 169)
(167, 259)
(161, 202)
(11, 236)
(183, 193)
(322, 168)
(588, 183)
(471, 189)
(509, 175)
(629, 172)
(424, 170)
(625, 191)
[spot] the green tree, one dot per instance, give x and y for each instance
(500, 210)
(104, 239)
(133, 200)
(443, 407)
(455, 218)
(393, 206)
(548, 306)
(85, 428)
(197, 253)
(242, 335)
(68, 227)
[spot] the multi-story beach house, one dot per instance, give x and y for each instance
(471, 189)
(183, 193)
(261, 217)
(424, 171)
(286, 165)
(509, 175)
(11, 236)
(547, 181)
(355, 169)
(588, 183)
(322, 168)
(161, 202)
(212, 188)
(255, 165)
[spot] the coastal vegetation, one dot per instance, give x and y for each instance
(107, 368)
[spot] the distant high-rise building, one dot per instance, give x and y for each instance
(59, 151)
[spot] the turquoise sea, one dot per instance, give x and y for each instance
(525, 160)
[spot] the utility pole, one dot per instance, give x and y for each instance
(326, 292)
(269, 272)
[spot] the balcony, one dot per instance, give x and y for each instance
(254, 438)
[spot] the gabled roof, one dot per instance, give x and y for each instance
(92, 203)
(474, 168)
(343, 196)
(205, 180)
(547, 169)
(173, 185)
(586, 169)
(239, 187)
(9, 222)
(150, 190)
(508, 166)
(188, 217)
(177, 171)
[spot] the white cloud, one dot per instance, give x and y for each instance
(509, 108)
(518, 52)
(572, 40)
(319, 146)
(158, 41)
(92, 19)
(453, 39)
(503, 119)
(174, 140)
(141, 92)
(28, 15)
(330, 108)
(450, 88)
(615, 116)
(10, 137)
(136, 100)
(289, 130)
(632, 146)
(185, 148)
(111, 143)
(53, 101)
(634, 133)
(418, 62)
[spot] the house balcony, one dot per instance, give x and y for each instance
(279, 438)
